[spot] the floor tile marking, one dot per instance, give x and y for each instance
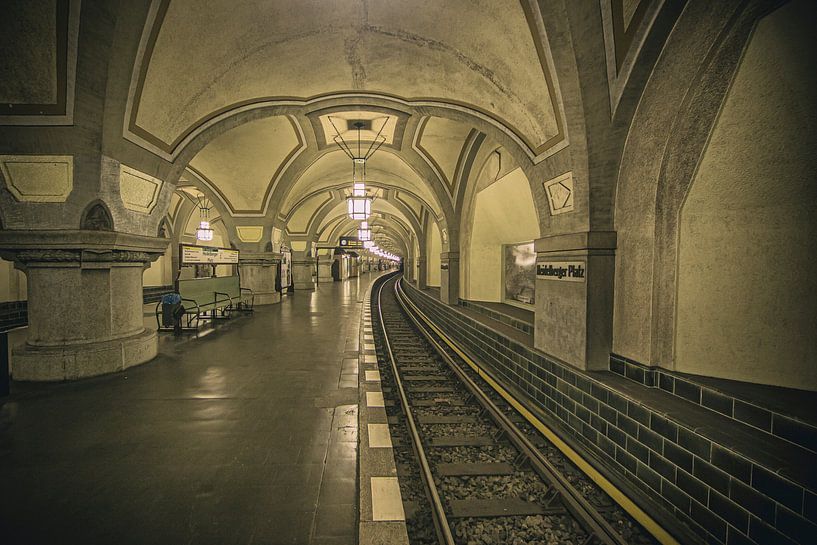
(386, 501)
(379, 436)
(373, 376)
(374, 399)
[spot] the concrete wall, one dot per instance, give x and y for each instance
(504, 214)
(435, 247)
(747, 288)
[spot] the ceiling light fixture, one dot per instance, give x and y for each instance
(364, 233)
(359, 203)
(204, 232)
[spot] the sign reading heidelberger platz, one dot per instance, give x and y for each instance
(566, 271)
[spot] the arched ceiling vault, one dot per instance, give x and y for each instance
(244, 98)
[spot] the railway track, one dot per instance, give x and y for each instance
(472, 470)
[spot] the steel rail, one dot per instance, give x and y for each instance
(589, 517)
(440, 519)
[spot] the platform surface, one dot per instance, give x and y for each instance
(246, 435)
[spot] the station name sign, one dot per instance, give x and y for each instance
(350, 242)
(195, 255)
(566, 271)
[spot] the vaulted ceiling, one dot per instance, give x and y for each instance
(432, 75)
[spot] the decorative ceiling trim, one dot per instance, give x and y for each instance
(400, 116)
(62, 111)
(428, 157)
(293, 154)
(623, 41)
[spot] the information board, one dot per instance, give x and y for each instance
(195, 255)
(350, 242)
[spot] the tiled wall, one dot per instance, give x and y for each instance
(746, 412)
(13, 314)
(719, 496)
(152, 294)
(522, 326)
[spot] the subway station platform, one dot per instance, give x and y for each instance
(247, 434)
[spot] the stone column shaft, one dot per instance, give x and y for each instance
(302, 268)
(450, 278)
(574, 297)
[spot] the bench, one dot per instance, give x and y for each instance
(212, 298)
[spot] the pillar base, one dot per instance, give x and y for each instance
(71, 362)
(267, 298)
(304, 286)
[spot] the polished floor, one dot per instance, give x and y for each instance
(247, 435)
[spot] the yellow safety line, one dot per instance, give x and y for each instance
(618, 496)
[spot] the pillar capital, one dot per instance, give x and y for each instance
(80, 248)
(259, 258)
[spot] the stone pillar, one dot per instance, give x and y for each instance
(408, 269)
(422, 273)
(258, 271)
(84, 302)
(325, 268)
(450, 278)
(302, 268)
(574, 297)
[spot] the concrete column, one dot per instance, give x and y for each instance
(408, 269)
(258, 271)
(302, 268)
(84, 302)
(450, 278)
(574, 297)
(421, 273)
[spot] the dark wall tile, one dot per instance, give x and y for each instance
(692, 486)
(729, 511)
(796, 527)
(678, 456)
(752, 500)
(649, 476)
(638, 450)
(796, 432)
(777, 488)
(638, 413)
(626, 460)
(694, 443)
(713, 524)
(663, 467)
(810, 506)
(710, 475)
(664, 427)
(651, 439)
(762, 533)
(754, 416)
(687, 390)
(675, 496)
(716, 402)
(731, 463)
